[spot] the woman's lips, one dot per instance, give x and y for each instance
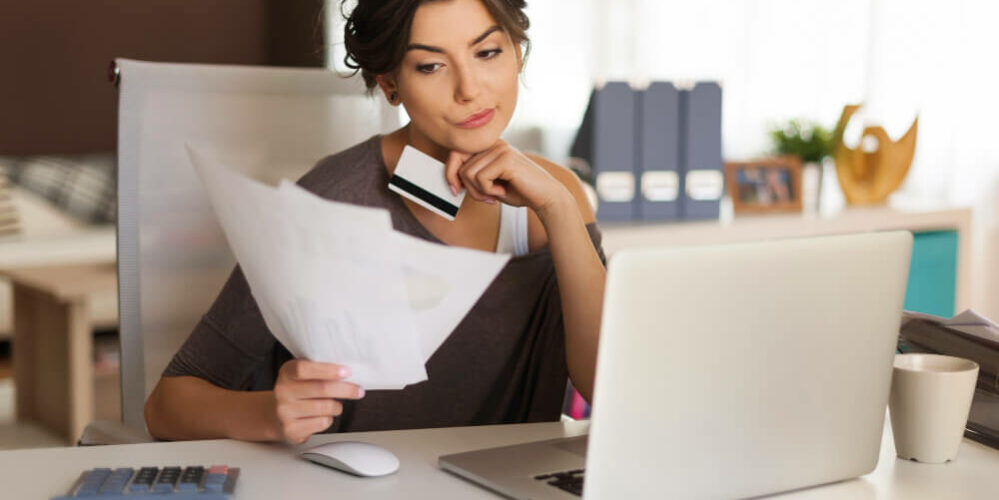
(478, 119)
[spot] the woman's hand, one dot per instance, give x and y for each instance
(503, 173)
(305, 398)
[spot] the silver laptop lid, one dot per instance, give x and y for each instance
(741, 370)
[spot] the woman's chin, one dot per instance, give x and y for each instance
(474, 141)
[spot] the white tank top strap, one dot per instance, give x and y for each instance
(512, 237)
(520, 246)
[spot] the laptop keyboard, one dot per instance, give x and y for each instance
(571, 481)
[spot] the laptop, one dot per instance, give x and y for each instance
(727, 371)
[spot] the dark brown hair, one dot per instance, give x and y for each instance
(376, 34)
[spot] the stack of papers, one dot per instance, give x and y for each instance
(969, 322)
(335, 283)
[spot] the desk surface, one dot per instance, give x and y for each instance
(67, 282)
(777, 226)
(75, 246)
(274, 471)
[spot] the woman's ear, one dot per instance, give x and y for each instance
(389, 88)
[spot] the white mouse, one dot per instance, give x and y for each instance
(360, 459)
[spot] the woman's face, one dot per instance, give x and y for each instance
(458, 79)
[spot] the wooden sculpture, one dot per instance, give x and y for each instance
(868, 177)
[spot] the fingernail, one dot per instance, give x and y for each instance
(454, 190)
(360, 392)
(344, 371)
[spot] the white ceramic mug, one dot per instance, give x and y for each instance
(930, 400)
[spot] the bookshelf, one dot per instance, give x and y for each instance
(940, 272)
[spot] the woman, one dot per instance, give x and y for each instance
(454, 66)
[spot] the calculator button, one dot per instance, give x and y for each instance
(167, 479)
(214, 482)
(219, 469)
(123, 473)
(175, 482)
(143, 479)
(92, 482)
(191, 478)
(115, 483)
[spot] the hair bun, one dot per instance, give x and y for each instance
(377, 32)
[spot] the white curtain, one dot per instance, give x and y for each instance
(782, 59)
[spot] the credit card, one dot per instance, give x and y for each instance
(420, 178)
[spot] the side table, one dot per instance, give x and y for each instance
(53, 343)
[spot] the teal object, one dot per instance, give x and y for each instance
(932, 286)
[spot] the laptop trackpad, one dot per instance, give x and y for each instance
(576, 446)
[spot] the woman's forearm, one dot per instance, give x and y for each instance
(581, 278)
(182, 408)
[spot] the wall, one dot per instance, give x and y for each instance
(54, 57)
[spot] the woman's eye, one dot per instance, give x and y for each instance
(489, 54)
(428, 68)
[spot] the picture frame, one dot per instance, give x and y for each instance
(769, 185)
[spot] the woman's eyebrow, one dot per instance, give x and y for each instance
(484, 34)
(431, 48)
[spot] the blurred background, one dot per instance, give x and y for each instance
(778, 62)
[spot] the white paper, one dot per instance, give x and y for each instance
(969, 322)
(335, 283)
(911, 315)
(439, 285)
(972, 323)
(970, 317)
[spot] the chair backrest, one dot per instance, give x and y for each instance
(173, 259)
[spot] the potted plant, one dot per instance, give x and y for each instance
(812, 144)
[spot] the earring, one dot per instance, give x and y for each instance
(393, 97)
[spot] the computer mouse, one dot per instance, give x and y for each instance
(354, 457)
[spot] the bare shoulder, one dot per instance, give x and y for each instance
(569, 179)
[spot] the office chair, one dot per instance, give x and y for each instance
(173, 259)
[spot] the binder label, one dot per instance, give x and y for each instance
(616, 186)
(660, 186)
(705, 185)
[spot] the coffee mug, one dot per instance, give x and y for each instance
(929, 404)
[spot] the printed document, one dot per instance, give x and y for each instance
(335, 283)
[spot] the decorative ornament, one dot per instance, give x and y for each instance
(868, 175)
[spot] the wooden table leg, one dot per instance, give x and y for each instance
(53, 361)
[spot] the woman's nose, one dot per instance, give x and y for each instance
(467, 87)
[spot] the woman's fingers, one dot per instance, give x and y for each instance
(472, 187)
(315, 424)
(300, 430)
(454, 162)
(309, 389)
(307, 408)
(306, 397)
(490, 177)
(462, 168)
(291, 410)
(301, 369)
(472, 173)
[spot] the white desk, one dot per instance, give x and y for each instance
(271, 471)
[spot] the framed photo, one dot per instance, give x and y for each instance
(764, 186)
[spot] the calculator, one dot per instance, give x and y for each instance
(195, 482)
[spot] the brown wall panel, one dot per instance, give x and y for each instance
(54, 56)
(295, 34)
